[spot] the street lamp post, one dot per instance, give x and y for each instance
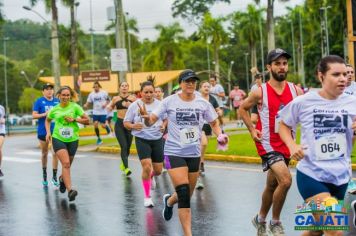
(31, 83)
(91, 36)
(293, 47)
(261, 46)
(7, 110)
(54, 44)
(208, 41)
(130, 53)
(229, 75)
(246, 67)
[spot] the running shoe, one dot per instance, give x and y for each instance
(122, 166)
(202, 169)
(167, 212)
(72, 194)
(147, 202)
(99, 141)
(153, 183)
(1, 174)
(261, 227)
(62, 186)
(45, 183)
(199, 185)
(276, 229)
(128, 171)
(55, 182)
(353, 207)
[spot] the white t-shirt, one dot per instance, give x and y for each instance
(2, 116)
(215, 91)
(185, 123)
(133, 115)
(98, 100)
(327, 134)
(351, 90)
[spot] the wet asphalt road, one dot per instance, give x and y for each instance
(111, 204)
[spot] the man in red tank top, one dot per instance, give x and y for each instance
(270, 98)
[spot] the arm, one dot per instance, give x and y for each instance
(251, 101)
(36, 115)
(285, 132)
(133, 126)
(215, 127)
(299, 91)
(164, 125)
(84, 119)
(48, 129)
(86, 105)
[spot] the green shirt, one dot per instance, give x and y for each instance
(63, 130)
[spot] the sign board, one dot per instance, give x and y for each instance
(96, 75)
(118, 58)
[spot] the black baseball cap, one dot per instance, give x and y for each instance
(46, 86)
(187, 74)
(275, 54)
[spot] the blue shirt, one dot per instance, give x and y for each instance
(42, 105)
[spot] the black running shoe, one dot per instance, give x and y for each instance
(72, 194)
(167, 212)
(62, 186)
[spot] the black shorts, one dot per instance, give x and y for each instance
(272, 157)
(254, 109)
(191, 162)
(71, 147)
(42, 137)
(2, 135)
(207, 129)
(109, 118)
(150, 149)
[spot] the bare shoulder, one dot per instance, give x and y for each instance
(132, 97)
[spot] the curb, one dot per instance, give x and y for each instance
(210, 157)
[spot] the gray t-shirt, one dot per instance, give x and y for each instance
(327, 134)
(351, 90)
(2, 116)
(215, 91)
(98, 100)
(185, 123)
(133, 115)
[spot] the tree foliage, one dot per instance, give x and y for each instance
(27, 99)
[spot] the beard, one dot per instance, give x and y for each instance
(279, 77)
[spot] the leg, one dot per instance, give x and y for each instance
(64, 158)
(44, 157)
(129, 138)
(2, 139)
(96, 129)
(267, 195)
(121, 138)
(146, 176)
(203, 145)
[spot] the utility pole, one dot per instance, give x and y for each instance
(74, 64)
(55, 46)
(120, 32)
(247, 76)
(293, 48)
(301, 69)
(91, 36)
(261, 48)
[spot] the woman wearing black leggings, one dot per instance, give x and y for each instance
(123, 136)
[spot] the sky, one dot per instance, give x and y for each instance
(148, 13)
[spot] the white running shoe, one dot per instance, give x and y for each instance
(153, 183)
(147, 202)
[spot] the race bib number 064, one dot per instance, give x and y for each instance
(330, 147)
(66, 132)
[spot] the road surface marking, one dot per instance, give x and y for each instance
(20, 160)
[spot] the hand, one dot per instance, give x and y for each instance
(223, 140)
(137, 126)
(69, 119)
(85, 105)
(256, 135)
(48, 138)
(297, 152)
(162, 128)
(142, 110)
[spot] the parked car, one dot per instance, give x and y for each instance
(13, 119)
(25, 120)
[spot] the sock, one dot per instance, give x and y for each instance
(273, 222)
(55, 174)
(97, 132)
(147, 187)
(107, 129)
(261, 220)
(44, 173)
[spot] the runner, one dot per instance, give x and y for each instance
(271, 97)
(254, 111)
(237, 96)
(351, 84)
(186, 113)
(2, 133)
(327, 119)
(149, 142)
(100, 99)
(109, 116)
(40, 110)
(66, 116)
(206, 131)
(159, 94)
(123, 135)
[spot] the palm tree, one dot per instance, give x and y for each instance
(212, 28)
(245, 26)
(52, 7)
(167, 53)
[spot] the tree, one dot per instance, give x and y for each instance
(212, 28)
(167, 52)
(28, 97)
(193, 9)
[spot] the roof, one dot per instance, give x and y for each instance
(133, 79)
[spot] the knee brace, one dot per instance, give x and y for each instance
(183, 194)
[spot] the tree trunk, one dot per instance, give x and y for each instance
(55, 46)
(270, 26)
(120, 32)
(74, 64)
(253, 55)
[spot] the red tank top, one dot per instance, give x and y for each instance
(267, 111)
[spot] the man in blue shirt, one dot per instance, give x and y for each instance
(40, 110)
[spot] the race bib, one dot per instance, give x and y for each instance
(237, 98)
(66, 132)
(330, 147)
(189, 135)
